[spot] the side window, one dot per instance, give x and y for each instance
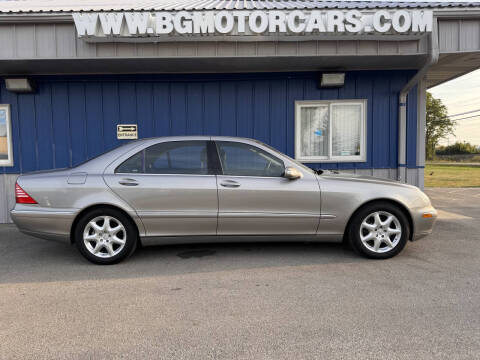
(177, 157)
(240, 159)
(134, 164)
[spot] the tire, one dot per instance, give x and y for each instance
(382, 236)
(102, 244)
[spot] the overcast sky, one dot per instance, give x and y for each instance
(462, 95)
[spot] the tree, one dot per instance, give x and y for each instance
(457, 149)
(438, 125)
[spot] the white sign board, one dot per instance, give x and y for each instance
(242, 22)
(127, 131)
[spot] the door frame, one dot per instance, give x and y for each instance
(277, 216)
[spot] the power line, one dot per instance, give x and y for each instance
(468, 117)
(464, 113)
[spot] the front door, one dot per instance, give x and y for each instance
(171, 187)
(255, 199)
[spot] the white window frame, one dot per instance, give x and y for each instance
(9, 160)
(330, 158)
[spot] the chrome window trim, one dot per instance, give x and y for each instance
(252, 177)
(147, 174)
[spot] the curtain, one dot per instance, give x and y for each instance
(346, 129)
(314, 130)
(3, 135)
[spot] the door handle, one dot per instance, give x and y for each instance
(229, 184)
(128, 182)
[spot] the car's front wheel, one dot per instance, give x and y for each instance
(105, 236)
(379, 230)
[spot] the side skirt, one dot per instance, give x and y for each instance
(169, 240)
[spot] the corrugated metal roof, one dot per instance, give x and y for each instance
(43, 6)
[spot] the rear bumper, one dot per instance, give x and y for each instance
(424, 219)
(46, 224)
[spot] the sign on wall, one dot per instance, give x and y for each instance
(242, 22)
(127, 131)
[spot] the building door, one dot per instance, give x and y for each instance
(255, 199)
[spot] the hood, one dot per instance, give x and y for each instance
(332, 174)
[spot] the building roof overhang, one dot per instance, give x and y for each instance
(38, 37)
(61, 6)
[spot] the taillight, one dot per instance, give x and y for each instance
(21, 197)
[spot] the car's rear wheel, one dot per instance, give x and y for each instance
(379, 230)
(105, 236)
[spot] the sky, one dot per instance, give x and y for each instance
(461, 95)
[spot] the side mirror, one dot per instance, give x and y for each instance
(291, 173)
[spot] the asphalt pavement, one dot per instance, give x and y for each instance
(248, 301)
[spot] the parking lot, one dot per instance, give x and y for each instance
(249, 301)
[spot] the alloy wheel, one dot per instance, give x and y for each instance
(104, 236)
(380, 231)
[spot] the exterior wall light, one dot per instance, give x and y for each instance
(20, 85)
(332, 79)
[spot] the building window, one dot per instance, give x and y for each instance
(330, 131)
(6, 154)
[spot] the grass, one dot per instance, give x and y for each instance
(449, 175)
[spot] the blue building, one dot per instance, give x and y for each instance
(337, 87)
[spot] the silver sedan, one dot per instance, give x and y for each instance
(203, 189)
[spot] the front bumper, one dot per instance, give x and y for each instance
(423, 221)
(50, 224)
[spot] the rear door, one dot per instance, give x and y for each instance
(172, 188)
(254, 197)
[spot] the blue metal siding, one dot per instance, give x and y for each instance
(71, 119)
(61, 128)
(380, 109)
(365, 90)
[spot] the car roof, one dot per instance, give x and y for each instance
(194, 137)
(100, 162)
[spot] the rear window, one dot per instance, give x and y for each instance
(176, 157)
(134, 164)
